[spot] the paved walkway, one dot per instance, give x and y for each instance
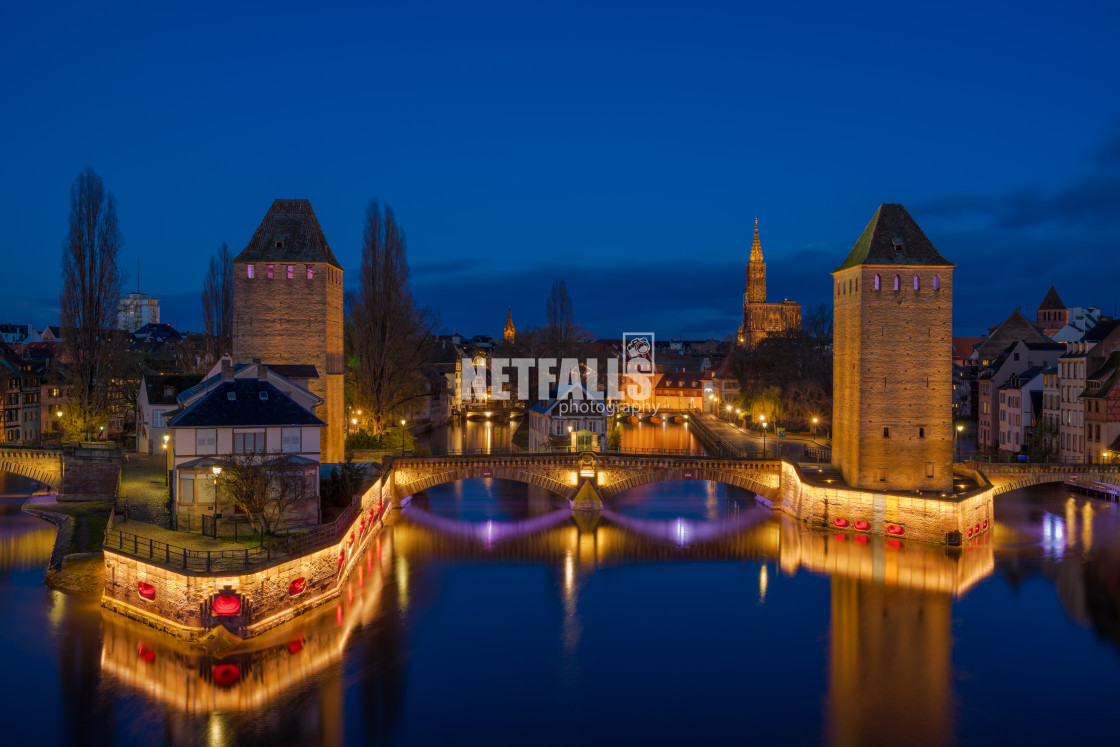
(791, 447)
(144, 488)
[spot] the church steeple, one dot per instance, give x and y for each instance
(510, 330)
(756, 272)
(756, 245)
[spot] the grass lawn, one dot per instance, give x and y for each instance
(89, 518)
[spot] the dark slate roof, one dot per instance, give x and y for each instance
(893, 238)
(1101, 330)
(216, 410)
(1052, 302)
(291, 224)
(294, 370)
(158, 384)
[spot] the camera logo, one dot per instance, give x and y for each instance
(637, 352)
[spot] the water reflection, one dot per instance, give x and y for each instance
(489, 593)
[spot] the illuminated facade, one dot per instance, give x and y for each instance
(762, 319)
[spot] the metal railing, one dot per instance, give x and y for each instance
(275, 547)
(728, 452)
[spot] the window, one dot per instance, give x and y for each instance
(248, 441)
(206, 441)
(186, 489)
(249, 271)
(310, 272)
(897, 282)
(917, 284)
(268, 272)
(157, 418)
(878, 281)
(937, 282)
(882, 475)
(921, 433)
(291, 271)
(279, 244)
(886, 433)
(290, 440)
(929, 469)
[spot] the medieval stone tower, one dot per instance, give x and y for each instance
(892, 412)
(287, 307)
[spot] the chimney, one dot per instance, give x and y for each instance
(227, 372)
(262, 372)
(257, 361)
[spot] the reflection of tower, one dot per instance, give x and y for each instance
(510, 330)
(890, 660)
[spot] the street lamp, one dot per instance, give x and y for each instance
(959, 429)
(764, 438)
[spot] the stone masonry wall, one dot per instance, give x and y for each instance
(893, 371)
(295, 321)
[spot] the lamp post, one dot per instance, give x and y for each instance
(763, 438)
(217, 471)
(959, 429)
(815, 419)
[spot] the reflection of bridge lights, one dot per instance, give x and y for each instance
(569, 573)
(1053, 534)
(402, 584)
(763, 582)
(683, 531)
(1087, 527)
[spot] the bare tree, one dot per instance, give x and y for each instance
(217, 303)
(91, 291)
(389, 337)
(558, 312)
(263, 486)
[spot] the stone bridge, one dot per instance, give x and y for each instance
(585, 479)
(74, 469)
(1007, 477)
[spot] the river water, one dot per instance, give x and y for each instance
(687, 614)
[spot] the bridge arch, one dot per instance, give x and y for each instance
(737, 478)
(1006, 478)
(42, 466)
(411, 481)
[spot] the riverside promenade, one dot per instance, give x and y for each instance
(750, 443)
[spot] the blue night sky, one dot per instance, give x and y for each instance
(624, 147)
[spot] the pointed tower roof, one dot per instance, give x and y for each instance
(290, 232)
(756, 245)
(509, 317)
(1052, 302)
(893, 238)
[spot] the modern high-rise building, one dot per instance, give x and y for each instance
(760, 318)
(892, 419)
(287, 308)
(136, 310)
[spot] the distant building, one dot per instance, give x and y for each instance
(568, 424)
(1052, 313)
(1020, 402)
(156, 398)
(1051, 413)
(1081, 320)
(1081, 359)
(892, 415)
(1101, 399)
(1015, 327)
(682, 390)
(510, 331)
(136, 310)
(1018, 357)
(761, 319)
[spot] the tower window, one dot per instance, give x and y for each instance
(279, 244)
(249, 271)
(898, 244)
(291, 270)
(897, 282)
(878, 281)
(917, 284)
(310, 272)
(886, 433)
(937, 282)
(268, 272)
(921, 433)
(929, 469)
(882, 475)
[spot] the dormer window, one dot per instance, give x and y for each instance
(279, 244)
(898, 244)
(231, 396)
(264, 395)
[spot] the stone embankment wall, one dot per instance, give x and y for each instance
(90, 472)
(181, 603)
(930, 518)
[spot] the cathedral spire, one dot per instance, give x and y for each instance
(510, 331)
(756, 245)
